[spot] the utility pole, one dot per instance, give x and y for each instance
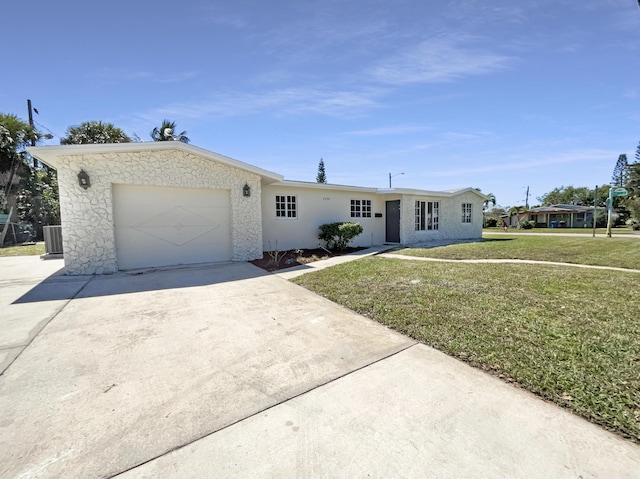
(526, 201)
(33, 140)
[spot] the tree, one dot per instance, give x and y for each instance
(166, 133)
(94, 132)
(620, 172)
(491, 199)
(321, 177)
(568, 195)
(38, 200)
(633, 187)
(518, 212)
(15, 135)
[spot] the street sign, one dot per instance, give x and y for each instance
(620, 192)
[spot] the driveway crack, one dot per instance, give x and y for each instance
(263, 410)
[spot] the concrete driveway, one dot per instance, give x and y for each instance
(224, 370)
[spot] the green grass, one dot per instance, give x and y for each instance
(27, 250)
(616, 252)
(623, 230)
(569, 335)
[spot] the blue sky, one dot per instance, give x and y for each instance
(496, 94)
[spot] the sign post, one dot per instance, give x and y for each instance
(595, 209)
(613, 192)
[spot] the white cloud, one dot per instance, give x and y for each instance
(137, 75)
(517, 164)
(288, 101)
(438, 60)
(389, 130)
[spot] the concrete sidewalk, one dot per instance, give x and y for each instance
(227, 371)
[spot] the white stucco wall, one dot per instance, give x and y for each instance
(87, 215)
(317, 206)
(450, 218)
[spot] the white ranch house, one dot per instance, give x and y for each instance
(168, 203)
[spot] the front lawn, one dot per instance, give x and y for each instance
(23, 250)
(617, 252)
(569, 335)
(622, 230)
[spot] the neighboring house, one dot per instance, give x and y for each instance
(168, 203)
(563, 216)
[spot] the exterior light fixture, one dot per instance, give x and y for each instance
(246, 190)
(83, 179)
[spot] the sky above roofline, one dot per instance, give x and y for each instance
(501, 96)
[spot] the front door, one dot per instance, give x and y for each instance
(393, 222)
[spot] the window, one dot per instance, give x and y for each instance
(427, 215)
(286, 206)
(466, 212)
(361, 208)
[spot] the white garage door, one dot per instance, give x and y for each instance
(160, 226)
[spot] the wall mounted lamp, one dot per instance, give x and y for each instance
(246, 190)
(83, 179)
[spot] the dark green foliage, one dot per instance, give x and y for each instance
(166, 132)
(527, 225)
(321, 177)
(38, 200)
(492, 221)
(94, 132)
(568, 195)
(620, 172)
(339, 235)
(15, 135)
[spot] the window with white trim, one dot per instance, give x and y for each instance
(466, 212)
(361, 208)
(427, 215)
(286, 206)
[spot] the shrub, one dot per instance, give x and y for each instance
(527, 225)
(492, 221)
(339, 235)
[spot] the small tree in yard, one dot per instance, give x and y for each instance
(339, 235)
(38, 201)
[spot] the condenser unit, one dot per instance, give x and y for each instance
(52, 239)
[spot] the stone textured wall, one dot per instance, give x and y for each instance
(450, 219)
(87, 215)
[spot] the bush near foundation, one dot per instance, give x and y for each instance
(339, 235)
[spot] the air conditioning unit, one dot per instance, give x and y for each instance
(52, 239)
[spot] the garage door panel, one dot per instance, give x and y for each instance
(159, 226)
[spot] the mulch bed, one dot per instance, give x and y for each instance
(296, 257)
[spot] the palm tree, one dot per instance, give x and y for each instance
(491, 198)
(94, 132)
(166, 133)
(517, 211)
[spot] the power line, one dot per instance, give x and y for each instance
(45, 128)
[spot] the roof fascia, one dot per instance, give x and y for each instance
(50, 154)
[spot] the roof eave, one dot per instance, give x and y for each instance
(49, 154)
